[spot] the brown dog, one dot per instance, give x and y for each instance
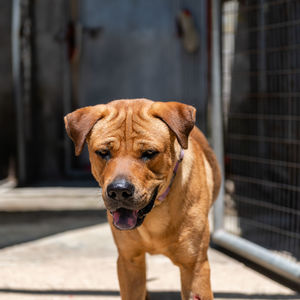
(158, 196)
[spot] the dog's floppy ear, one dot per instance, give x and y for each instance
(178, 116)
(80, 122)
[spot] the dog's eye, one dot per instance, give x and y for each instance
(104, 154)
(149, 154)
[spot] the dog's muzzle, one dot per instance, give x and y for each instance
(126, 219)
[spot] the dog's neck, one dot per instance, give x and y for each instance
(163, 196)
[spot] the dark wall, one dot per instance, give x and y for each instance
(41, 102)
(136, 53)
(7, 117)
(50, 21)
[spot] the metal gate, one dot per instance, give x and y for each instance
(258, 213)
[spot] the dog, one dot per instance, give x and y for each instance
(159, 178)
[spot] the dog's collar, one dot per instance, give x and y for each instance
(166, 192)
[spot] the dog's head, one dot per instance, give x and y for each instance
(132, 149)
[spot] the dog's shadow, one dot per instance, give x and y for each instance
(164, 295)
(224, 295)
(154, 295)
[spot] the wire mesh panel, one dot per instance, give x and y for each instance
(261, 94)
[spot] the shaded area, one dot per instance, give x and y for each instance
(20, 227)
(166, 295)
(82, 180)
(258, 268)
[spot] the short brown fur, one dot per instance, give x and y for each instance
(176, 227)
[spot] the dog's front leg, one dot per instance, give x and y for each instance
(186, 276)
(195, 276)
(132, 277)
(201, 287)
(195, 282)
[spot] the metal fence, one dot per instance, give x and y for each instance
(261, 99)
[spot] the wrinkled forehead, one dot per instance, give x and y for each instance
(132, 125)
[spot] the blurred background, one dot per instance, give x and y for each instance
(237, 62)
(58, 56)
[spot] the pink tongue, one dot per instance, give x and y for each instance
(125, 219)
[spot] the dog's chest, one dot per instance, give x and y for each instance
(155, 229)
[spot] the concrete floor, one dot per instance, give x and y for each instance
(63, 249)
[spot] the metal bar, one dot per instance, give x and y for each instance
(217, 115)
(260, 160)
(263, 204)
(259, 6)
(266, 227)
(17, 89)
(263, 139)
(258, 255)
(262, 182)
(268, 50)
(270, 72)
(268, 117)
(270, 27)
(272, 95)
(67, 106)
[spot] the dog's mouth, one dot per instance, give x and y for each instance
(126, 219)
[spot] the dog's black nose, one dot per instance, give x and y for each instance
(120, 189)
